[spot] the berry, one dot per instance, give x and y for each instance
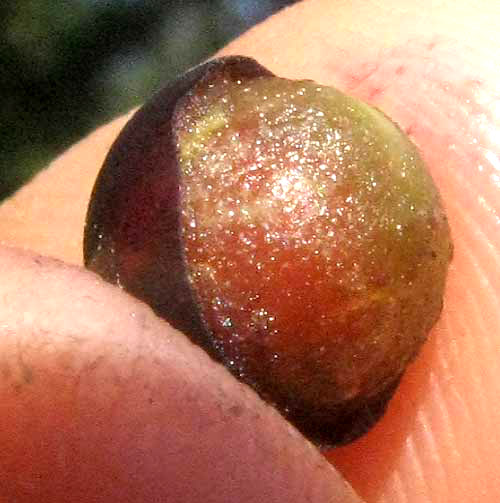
(289, 229)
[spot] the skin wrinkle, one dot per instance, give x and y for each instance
(467, 48)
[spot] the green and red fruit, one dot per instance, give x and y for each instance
(290, 230)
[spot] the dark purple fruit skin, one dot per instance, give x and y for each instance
(133, 239)
(134, 207)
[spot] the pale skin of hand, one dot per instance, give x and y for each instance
(68, 406)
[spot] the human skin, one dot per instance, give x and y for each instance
(77, 412)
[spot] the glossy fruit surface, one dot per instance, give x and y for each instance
(289, 229)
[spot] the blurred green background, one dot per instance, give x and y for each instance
(67, 66)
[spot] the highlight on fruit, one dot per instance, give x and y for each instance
(290, 230)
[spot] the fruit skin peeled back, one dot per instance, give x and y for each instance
(290, 230)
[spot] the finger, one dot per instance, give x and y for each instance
(414, 63)
(101, 401)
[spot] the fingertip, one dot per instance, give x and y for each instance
(102, 400)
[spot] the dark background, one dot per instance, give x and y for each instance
(67, 66)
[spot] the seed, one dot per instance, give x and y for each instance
(290, 230)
